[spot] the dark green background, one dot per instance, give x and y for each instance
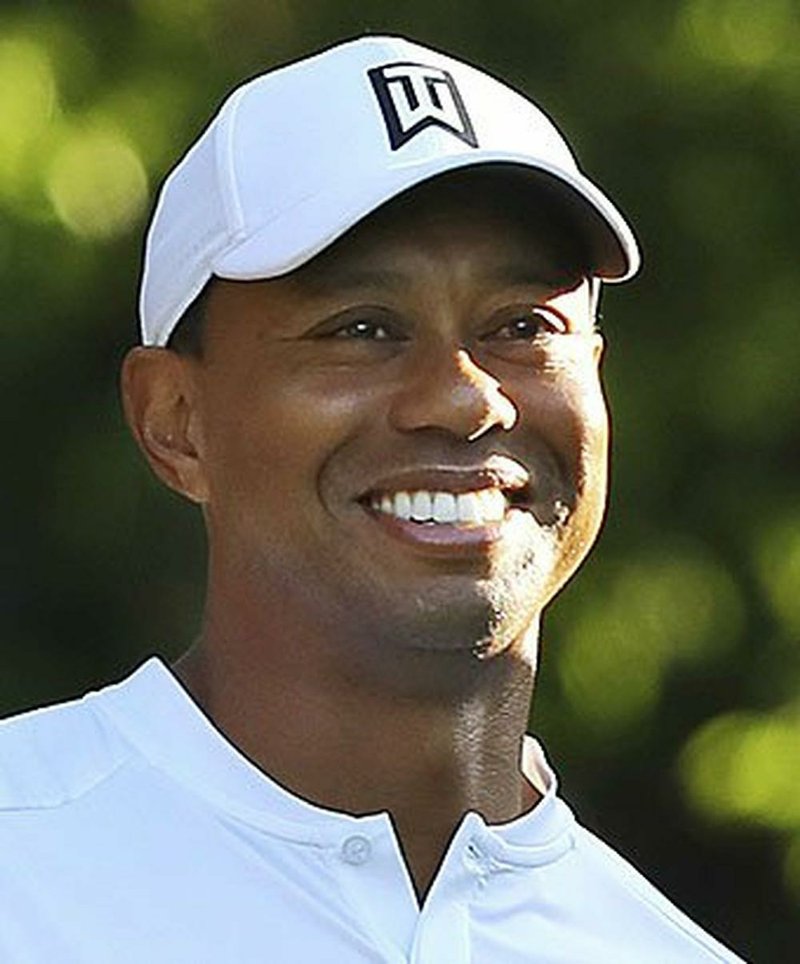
(670, 692)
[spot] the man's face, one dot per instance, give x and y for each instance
(406, 439)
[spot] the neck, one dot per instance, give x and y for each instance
(357, 746)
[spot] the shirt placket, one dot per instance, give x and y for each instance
(369, 866)
(443, 930)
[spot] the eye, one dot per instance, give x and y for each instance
(366, 329)
(363, 324)
(529, 322)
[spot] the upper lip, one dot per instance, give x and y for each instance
(500, 472)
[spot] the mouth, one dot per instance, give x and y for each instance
(476, 508)
(451, 510)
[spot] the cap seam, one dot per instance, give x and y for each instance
(226, 169)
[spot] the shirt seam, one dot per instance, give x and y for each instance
(68, 799)
(319, 838)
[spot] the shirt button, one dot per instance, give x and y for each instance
(356, 850)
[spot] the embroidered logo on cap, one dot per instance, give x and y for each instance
(413, 97)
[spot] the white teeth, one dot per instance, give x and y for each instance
(421, 506)
(444, 507)
(402, 505)
(481, 507)
(469, 507)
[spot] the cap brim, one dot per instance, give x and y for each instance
(309, 227)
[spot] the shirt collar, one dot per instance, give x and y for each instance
(156, 715)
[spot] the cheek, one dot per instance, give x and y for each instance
(574, 421)
(566, 409)
(268, 440)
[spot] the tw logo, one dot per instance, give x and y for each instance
(413, 97)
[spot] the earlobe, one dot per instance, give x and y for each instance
(159, 396)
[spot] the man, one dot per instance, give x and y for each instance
(369, 355)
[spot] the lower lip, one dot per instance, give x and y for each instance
(438, 537)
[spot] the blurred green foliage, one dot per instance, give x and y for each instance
(670, 690)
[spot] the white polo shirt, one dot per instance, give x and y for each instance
(132, 831)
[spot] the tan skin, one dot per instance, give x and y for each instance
(362, 671)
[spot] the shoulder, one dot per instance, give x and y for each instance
(622, 885)
(56, 754)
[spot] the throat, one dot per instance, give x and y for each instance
(427, 820)
(358, 749)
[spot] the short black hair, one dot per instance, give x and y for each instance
(188, 335)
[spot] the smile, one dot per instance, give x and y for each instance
(472, 509)
(453, 509)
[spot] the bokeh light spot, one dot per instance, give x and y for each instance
(707, 763)
(660, 610)
(610, 676)
(743, 766)
(778, 564)
(190, 16)
(27, 102)
(739, 33)
(97, 183)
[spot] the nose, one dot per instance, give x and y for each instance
(448, 390)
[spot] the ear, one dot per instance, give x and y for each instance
(159, 396)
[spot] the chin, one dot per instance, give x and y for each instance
(476, 619)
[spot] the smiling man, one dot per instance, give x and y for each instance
(369, 354)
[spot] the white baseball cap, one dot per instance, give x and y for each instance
(297, 156)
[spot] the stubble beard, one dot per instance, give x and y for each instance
(449, 637)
